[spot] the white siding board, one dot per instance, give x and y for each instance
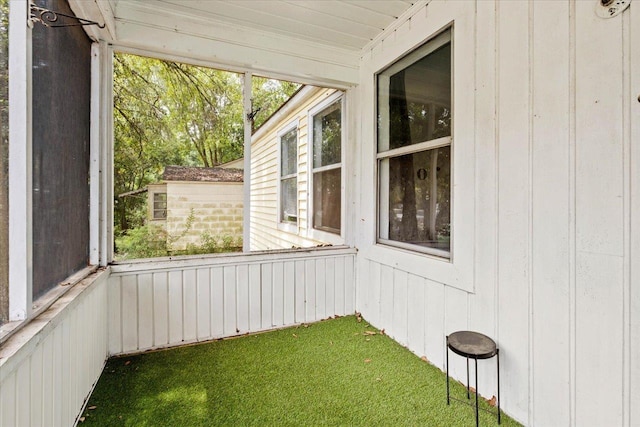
(255, 313)
(230, 301)
(400, 306)
(310, 290)
(267, 292)
(189, 305)
(48, 380)
(434, 338)
(129, 313)
(160, 310)
(278, 294)
(300, 293)
(289, 297)
(175, 307)
(321, 289)
(550, 214)
(217, 302)
(386, 297)
(416, 311)
(145, 311)
(330, 291)
(8, 401)
(243, 298)
(340, 287)
(23, 393)
(203, 300)
(115, 315)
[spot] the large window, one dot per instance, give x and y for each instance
(289, 176)
(414, 149)
(326, 171)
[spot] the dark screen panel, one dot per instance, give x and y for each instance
(61, 128)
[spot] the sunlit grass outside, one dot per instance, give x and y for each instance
(333, 373)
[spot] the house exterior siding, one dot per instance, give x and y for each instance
(545, 99)
(264, 230)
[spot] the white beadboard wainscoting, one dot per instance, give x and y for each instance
(156, 304)
(49, 367)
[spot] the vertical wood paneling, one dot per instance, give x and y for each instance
(300, 303)
(330, 290)
(129, 313)
(455, 319)
(340, 288)
(48, 379)
(400, 306)
(8, 401)
(289, 292)
(114, 299)
(634, 261)
(550, 213)
(321, 289)
(267, 291)
(243, 299)
(599, 218)
(145, 311)
(310, 289)
(434, 323)
(386, 296)
(375, 297)
(255, 312)
(217, 302)
(175, 307)
(160, 309)
(58, 377)
(349, 285)
(23, 392)
(278, 294)
(416, 310)
(189, 305)
(230, 327)
(203, 300)
(514, 189)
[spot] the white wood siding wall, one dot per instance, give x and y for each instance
(160, 304)
(556, 249)
(265, 179)
(48, 368)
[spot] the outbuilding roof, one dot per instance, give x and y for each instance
(215, 174)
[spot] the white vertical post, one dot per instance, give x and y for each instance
(94, 162)
(20, 163)
(106, 154)
(246, 217)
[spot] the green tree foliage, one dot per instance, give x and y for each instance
(168, 113)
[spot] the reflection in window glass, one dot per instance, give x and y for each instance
(160, 206)
(4, 160)
(327, 158)
(414, 113)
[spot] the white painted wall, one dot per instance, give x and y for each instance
(546, 254)
(155, 304)
(49, 367)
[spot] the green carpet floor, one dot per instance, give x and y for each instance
(339, 372)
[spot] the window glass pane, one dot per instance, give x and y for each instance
(288, 197)
(4, 160)
(419, 198)
(326, 200)
(416, 101)
(289, 153)
(160, 206)
(327, 136)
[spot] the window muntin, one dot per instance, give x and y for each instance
(414, 150)
(327, 168)
(160, 206)
(289, 176)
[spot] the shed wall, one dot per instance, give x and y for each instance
(549, 111)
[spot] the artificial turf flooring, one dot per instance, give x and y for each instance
(334, 372)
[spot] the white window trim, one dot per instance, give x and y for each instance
(153, 206)
(458, 271)
(287, 226)
(382, 204)
(325, 236)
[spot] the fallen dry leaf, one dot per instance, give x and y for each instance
(81, 419)
(382, 332)
(295, 336)
(128, 362)
(91, 408)
(367, 360)
(358, 317)
(378, 379)
(424, 359)
(369, 333)
(493, 401)
(368, 339)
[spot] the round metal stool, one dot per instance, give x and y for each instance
(473, 345)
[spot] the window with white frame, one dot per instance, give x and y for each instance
(414, 149)
(289, 176)
(326, 166)
(159, 205)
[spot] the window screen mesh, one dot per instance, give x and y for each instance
(61, 125)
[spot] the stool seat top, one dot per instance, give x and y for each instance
(472, 344)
